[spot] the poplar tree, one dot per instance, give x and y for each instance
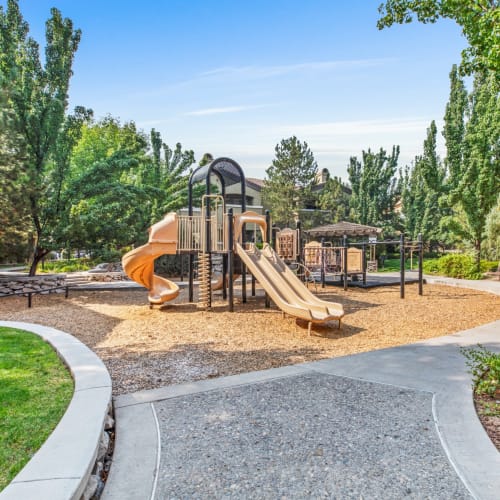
(479, 185)
(454, 127)
(14, 220)
(38, 95)
(422, 191)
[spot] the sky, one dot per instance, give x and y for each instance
(234, 78)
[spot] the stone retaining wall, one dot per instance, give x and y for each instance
(27, 284)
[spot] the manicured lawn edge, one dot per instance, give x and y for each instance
(35, 390)
(62, 466)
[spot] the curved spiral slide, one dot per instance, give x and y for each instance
(138, 264)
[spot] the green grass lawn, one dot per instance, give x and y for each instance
(35, 390)
(393, 265)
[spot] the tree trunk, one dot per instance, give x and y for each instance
(38, 255)
(477, 247)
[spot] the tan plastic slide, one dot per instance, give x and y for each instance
(285, 289)
(138, 264)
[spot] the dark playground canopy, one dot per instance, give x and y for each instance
(225, 169)
(343, 228)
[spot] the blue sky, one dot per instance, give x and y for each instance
(233, 78)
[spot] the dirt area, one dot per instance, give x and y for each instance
(145, 349)
(488, 411)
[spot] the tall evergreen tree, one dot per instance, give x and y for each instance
(289, 179)
(375, 188)
(38, 94)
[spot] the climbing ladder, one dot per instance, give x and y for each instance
(204, 277)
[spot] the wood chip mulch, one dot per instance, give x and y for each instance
(145, 349)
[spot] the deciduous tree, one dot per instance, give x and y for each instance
(14, 214)
(375, 189)
(423, 187)
(479, 20)
(166, 176)
(38, 95)
(479, 185)
(335, 199)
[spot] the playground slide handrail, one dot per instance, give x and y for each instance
(277, 293)
(280, 291)
(298, 286)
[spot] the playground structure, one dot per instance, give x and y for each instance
(345, 262)
(215, 231)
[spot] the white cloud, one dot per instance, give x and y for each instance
(359, 127)
(227, 109)
(257, 72)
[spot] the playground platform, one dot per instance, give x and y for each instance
(373, 280)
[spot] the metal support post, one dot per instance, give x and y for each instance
(230, 258)
(420, 265)
(299, 241)
(323, 263)
(344, 243)
(402, 265)
(270, 241)
(363, 260)
(191, 277)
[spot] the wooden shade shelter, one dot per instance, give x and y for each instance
(349, 229)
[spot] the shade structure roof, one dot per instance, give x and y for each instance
(343, 228)
(226, 169)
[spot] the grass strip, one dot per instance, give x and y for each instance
(35, 390)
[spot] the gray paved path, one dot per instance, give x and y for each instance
(394, 423)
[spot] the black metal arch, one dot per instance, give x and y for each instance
(226, 170)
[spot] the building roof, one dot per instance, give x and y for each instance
(343, 228)
(255, 183)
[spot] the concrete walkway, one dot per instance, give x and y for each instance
(386, 424)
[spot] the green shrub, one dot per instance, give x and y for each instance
(431, 266)
(484, 366)
(66, 266)
(458, 266)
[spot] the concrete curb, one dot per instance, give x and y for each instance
(62, 466)
(435, 366)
